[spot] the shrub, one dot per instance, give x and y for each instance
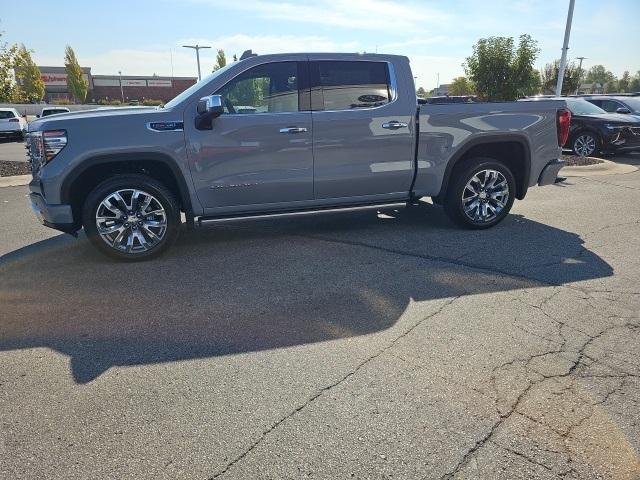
(150, 102)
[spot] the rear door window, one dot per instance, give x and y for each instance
(5, 115)
(349, 85)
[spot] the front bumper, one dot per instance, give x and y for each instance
(550, 172)
(59, 217)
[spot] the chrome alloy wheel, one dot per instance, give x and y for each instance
(485, 196)
(584, 145)
(131, 220)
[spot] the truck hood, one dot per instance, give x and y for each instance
(57, 120)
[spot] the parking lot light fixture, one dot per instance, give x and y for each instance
(197, 48)
(121, 88)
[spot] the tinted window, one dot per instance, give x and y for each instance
(269, 88)
(5, 115)
(582, 107)
(53, 112)
(351, 85)
(610, 105)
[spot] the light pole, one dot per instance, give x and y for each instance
(121, 89)
(197, 48)
(565, 47)
(580, 73)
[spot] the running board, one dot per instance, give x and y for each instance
(297, 213)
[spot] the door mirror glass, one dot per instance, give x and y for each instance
(623, 110)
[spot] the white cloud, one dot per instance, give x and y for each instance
(363, 14)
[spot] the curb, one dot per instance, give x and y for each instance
(15, 181)
(606, 168)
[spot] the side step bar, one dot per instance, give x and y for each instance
(297, 213)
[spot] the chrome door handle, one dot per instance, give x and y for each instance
(394, 125)
(293, 130)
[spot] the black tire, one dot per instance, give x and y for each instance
(149, 186)
(461, 176)
(586, 136)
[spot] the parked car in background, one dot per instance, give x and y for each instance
(624, 104)
(449, 99)
(12, 125)
(594, 131)
(46, 111)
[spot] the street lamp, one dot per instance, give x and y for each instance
(565, 47)
(580, 73)
(121, 89)
(197, 48)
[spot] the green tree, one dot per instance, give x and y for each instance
(235, 57)
(549, 78)
(221, 60)
(30, 87)
(500, 71)
(599, 74)
(611, 87)
(77, 85)
(624, 82)
(634, 86)
(421, 92)
(461, 86)
(7, 60)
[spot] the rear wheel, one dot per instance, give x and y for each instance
(131, 217)
(480, 194)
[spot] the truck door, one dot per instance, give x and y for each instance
(259, 151)
(363, 136)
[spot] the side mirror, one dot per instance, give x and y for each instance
(38, 116)
(623, 110)
(208, 108)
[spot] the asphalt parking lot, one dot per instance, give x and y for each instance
(12, 151)
(362, 345)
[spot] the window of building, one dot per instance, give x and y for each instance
(268, 88)
(351, 85)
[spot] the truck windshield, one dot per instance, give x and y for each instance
(196, 86)
(582, 107)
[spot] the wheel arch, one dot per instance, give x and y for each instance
(93, 170)
(514, 150)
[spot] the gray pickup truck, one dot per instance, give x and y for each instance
(286, 134)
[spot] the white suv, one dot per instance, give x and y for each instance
(12, 124)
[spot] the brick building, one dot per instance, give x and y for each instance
(114, 87)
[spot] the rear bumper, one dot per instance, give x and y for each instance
(550, 172)
(59, 217)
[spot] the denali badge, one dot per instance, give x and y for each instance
(166, 126)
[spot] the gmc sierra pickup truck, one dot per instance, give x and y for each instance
(286, 134)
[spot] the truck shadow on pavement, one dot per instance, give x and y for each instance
(264, 285)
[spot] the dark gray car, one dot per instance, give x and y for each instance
(286, 134)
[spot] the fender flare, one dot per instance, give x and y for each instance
(101, 159)
(489, 140)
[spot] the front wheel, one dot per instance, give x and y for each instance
(131, 217)
(480, 194)
(585, 144)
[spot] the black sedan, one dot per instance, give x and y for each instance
(594, 131)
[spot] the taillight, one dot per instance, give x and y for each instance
(14, 120)
(53, 141)
(563, 123)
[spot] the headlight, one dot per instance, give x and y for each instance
(46, 145)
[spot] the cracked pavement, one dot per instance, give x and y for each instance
(366, 345)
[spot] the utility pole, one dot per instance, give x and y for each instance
(565, 47)
(197, 48)
(580, 73)
(121, 89)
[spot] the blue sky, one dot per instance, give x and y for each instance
(140, 37)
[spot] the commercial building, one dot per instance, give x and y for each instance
(114, 87)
